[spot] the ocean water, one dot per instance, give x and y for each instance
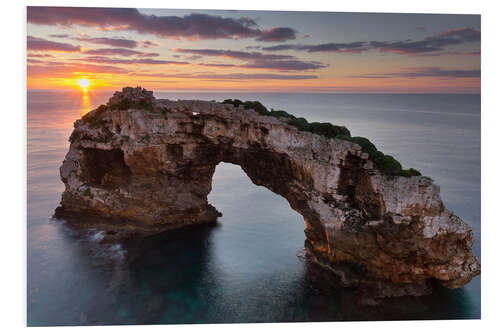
(246, 268)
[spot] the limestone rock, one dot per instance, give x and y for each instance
(141, 164)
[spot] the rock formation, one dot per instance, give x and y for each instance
(146, 164)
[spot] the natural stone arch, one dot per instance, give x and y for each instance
(148, 166)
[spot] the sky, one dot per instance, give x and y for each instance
(209, 50)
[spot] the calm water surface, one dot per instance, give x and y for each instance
(246, 268)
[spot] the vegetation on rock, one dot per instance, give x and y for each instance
(94, 119)
(74, 137)
(126, 103)
(132, 98)
(146, 138)
(387, 164)
(88, 193)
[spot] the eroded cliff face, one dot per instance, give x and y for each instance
(142, 164)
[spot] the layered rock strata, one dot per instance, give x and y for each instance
(146, 164)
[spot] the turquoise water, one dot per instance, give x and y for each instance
(246, 268)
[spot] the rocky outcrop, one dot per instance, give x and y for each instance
(141, 164)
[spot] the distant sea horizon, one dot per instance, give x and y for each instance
(101, 90)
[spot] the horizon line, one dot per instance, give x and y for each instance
(270, 92)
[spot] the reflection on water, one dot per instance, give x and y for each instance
(86, 102)
(47, 110)
(245, 269)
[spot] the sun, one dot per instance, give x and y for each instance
(84, 83)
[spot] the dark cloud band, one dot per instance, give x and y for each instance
(120, 52)
(259, 60)
(411, 73)
(435, 43)
(115, 42)
(201, 26)
(40, 44)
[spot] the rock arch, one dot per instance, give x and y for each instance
(148, 166)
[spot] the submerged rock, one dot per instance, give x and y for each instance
(141, 164)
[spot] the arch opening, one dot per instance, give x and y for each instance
(275, 171)
(256, 224)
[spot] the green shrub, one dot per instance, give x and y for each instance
(410, 172)
(126, 103)
(102, 139)
(145, 138)
(390, 166)
(123, 104)
(102, 108)
(387, 164)
(94, 118)
(328, 130)
(281, 114)
(233, 102)
(74, 136)
(366, 145)
(88, 193)
(301, 124)
(255, 105)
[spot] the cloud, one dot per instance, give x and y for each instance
(59, 35)
(435, 43)
(411, 73)
(368, 76)
(277, 34)
(40, 44)
(438, 72)
(259, 60)
(355, 47)
(116, 42)
(437, 54)
(39, 55)
(285, 65)
(216, 65)
(284, 47)
(120, 52)
(246, 76)
(231, 76)
(192, 26)
(413, 47)
(465, 34)
(193, 57)
(241, 55)
(62, 69)
(147, 61)
(430, 44)
(149, 44)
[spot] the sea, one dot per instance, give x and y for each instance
(247, 268)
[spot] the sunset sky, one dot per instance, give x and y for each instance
(164, 49)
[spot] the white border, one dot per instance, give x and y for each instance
(13, 164)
